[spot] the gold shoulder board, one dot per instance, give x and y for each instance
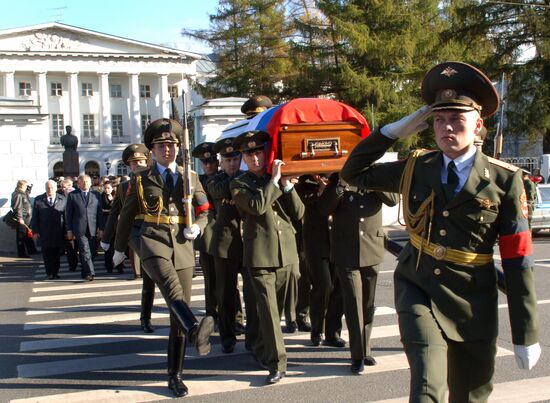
(503, 164)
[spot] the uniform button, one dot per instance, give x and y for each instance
(361, 206)
(442, 232)
(329, 227)
(481, 218)
(275, 212)
(280, 232)
(361, 219)
(360, 232)
(278, 222)
(171, 199)
(445, 213)
(437, 272)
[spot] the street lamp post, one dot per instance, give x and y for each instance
(108, 165)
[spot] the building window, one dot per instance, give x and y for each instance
(121, 169)
(145, 91)
(57, 128)
(116, 91)
(25, 89)
(116, 122)
(145, 120)
(88, 129)
(173, 91)
(87, 90)
(56, 89)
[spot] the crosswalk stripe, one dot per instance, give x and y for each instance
(99, 294)
(99, 283)
(132, 304)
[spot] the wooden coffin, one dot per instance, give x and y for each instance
(309, 148)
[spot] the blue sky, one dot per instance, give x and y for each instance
(158, 22)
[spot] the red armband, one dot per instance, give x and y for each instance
(515, 245)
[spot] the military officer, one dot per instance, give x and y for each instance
(227, 248)
(255, 105)
(166, 246)
(531, 194)
(356, 250)
(456, 203)
(210, 165)
(135, 157)
(267, 205)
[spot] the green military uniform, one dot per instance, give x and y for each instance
(167, 255)
(269, 248)
(326, 293)
(227, 249)
(531, 193)
(356, 250)
(445, 282)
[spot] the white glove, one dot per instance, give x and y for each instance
(192, 232)
(527, 356)
(409, 125)
(105, 246)
(118, 257)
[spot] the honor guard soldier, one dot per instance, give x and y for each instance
(227, 248)
(210, 164)
(356, 250)
(456, 203)
(255, 105)
(267, 205)
(135, 157)
(166, 248)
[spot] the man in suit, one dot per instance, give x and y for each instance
(82, 216)
(226, 247)
(456, 203)
(166, 246)
(267, 205)
(134, 156)
(356, 250)
(66, 187)
(48, 226)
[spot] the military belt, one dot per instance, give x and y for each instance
(138, 217)
(440, 252)
(164, 219)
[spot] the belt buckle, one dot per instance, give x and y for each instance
(173, 219)
(440, 252)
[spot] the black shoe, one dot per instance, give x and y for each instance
(357, 367)
(200, 335)
(291, 327)
(176, 385)
(239, 329)
(336, 342)
(303, 325)
(275, 376)
(228, 348)
(120, 271)
(89, 278)
(50, 277)
(146, 326)
(369, 360)
(316, 339)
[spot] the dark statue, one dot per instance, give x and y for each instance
(71, 166)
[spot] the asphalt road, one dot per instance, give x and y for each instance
(74, 341)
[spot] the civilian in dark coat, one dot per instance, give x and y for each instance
(21, 206)
(48, 226)
(84, 224)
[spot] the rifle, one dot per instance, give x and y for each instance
(186, 160)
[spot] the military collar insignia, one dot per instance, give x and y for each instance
(485, 203)
(449, 71)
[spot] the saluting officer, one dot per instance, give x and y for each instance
(227, 249)
(134, 156)
(210, 165)
(166, 242)
(456, 203)
(267, 205)
(356, 250)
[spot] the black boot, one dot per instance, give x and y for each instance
(197, 333)
(147, 300)
(146, 325)
(176, 352)
(369, 359)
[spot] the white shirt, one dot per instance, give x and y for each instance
(173, 167)
(463, 164)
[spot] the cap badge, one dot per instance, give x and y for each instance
(229, 149)
(206, 155)
(251, 144)
(449, 71)
(166, 135)
(228, 141)
(448, 94)
(205, 145)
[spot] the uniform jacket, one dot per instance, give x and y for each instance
(463, 298)
(226, 231)
(162, 240)
(355, 223)
(21, 206)
(202, 243)
(81, 216)
(49, 221)
(267, 213)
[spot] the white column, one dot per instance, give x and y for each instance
(74, 100)
(164, 96)
(135, 117)
(105, 124)
(9, 84)
(42, 89)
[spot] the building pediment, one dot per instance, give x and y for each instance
(61, 38)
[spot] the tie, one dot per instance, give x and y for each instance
(50, 201)
(169, 181)
(452, 181)
(85, 195)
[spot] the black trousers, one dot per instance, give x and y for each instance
(20, 241)
(52, 260)
(71, 248)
